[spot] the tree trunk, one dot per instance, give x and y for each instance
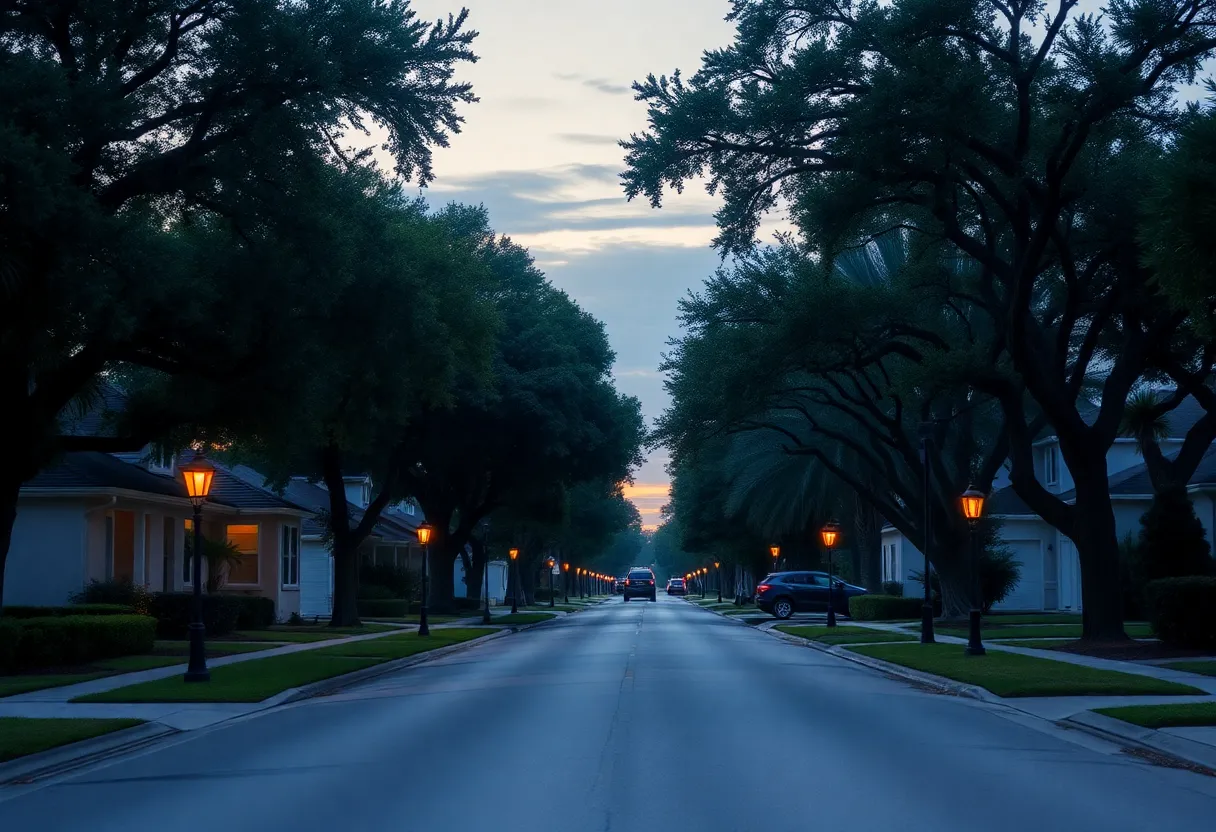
(8, 518)
(956, 594)
(1097, 545)
(476, 567)
(443, 578)
(346, 586)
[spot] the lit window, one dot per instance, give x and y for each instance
(187, 575)
(289, 555)
(243, 569)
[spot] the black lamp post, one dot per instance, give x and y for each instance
(775, 551)
(515, 580)
(702, 579)
(718, 578)
(549, 564)
(829, 533)
(424, 537)
(566, 582)
(198, 475)
(973, 509)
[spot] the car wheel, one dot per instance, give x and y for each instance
(783, 608)
(626, 599)
(654, 598)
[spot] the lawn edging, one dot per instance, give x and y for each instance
(67, 758)
(734, 619)
(335, 683)
(1148, 739)
(891, 669)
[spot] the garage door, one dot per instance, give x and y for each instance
(1028, 594)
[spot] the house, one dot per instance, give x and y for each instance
(97, 516)
(1050, 569)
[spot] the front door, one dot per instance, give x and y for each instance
(124, 546)
(1051, 578)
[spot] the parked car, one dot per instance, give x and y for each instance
(639, 583)
(618, 586)
(782, 594)
(675, 586)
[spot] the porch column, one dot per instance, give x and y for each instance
(139, 571)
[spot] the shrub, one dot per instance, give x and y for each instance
(399, 581)
(253, 612)
(10, 636)
(1183, 610)
(893, 588)
(74, 639)
(172, 611)
(1132, 578)
(375, 592)
(390, 608)
(466, 603)
(294, 620)
(883, 607)
(117, 591)
(75, 609)
(1173, 542)
(999, 574)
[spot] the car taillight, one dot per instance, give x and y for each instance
(650, 582)
(763, 588)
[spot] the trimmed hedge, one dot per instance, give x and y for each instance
(883, 607)
(383, 608)
(10, 636)
(253, 612)
(74, 609)
(1183, 610)
(77, 639)
(172, 611)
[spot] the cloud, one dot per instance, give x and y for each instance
(647, 490)
(603, 85)
(589, 138)
(532, 103)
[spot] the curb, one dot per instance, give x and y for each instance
(67, 758)
(1148, 739)
(327, 686)
(928, 679)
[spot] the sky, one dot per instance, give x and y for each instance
(540, 152)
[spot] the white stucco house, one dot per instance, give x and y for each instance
(1051, 577)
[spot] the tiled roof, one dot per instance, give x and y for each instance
(93, 469)
(97, 418)
(1004, 502)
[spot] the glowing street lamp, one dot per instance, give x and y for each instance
(198, 476)
(550, 563)
(972, 504)
(718, 578)
(425, 533)
(514, 553)
(830, 533)
(775, 551)
(566, 582)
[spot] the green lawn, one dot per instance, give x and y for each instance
(398, 647)
(20, 736)
(1013, 674)
(1072, 631)
(746, 611)
(13, 685)
(843, 635)
(520, 618)
(1206, 668)
(431, 619)
(1165, 716)
(542, 607)
(1035, 643)
(259, 679)
(999, 619)
(311, 633)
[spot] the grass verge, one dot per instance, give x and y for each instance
(20, 736)
(1013, 674)
(408, 644)
(843, 635)
(746, 611)
(520, 618)
(1072, 631)
(1165, 716)
(1204, 668)
(13, 685)
(308, 634)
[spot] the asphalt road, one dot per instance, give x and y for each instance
(631, 716)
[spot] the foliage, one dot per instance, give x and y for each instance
(172, 611)
(999, 574)
(1013, 152)
(375, 580)
(1132, 578)
(117, 591)
(78, 639)
(13, 611)
(10, 635)
(1173, 542)
(883, 607)
(383, 607)
(253, 612)
(895, 589)
(1183, 611)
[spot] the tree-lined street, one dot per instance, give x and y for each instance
(646, 716)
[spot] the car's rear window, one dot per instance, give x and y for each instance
(640, 574)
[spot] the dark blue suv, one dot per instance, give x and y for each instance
(782, 594)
